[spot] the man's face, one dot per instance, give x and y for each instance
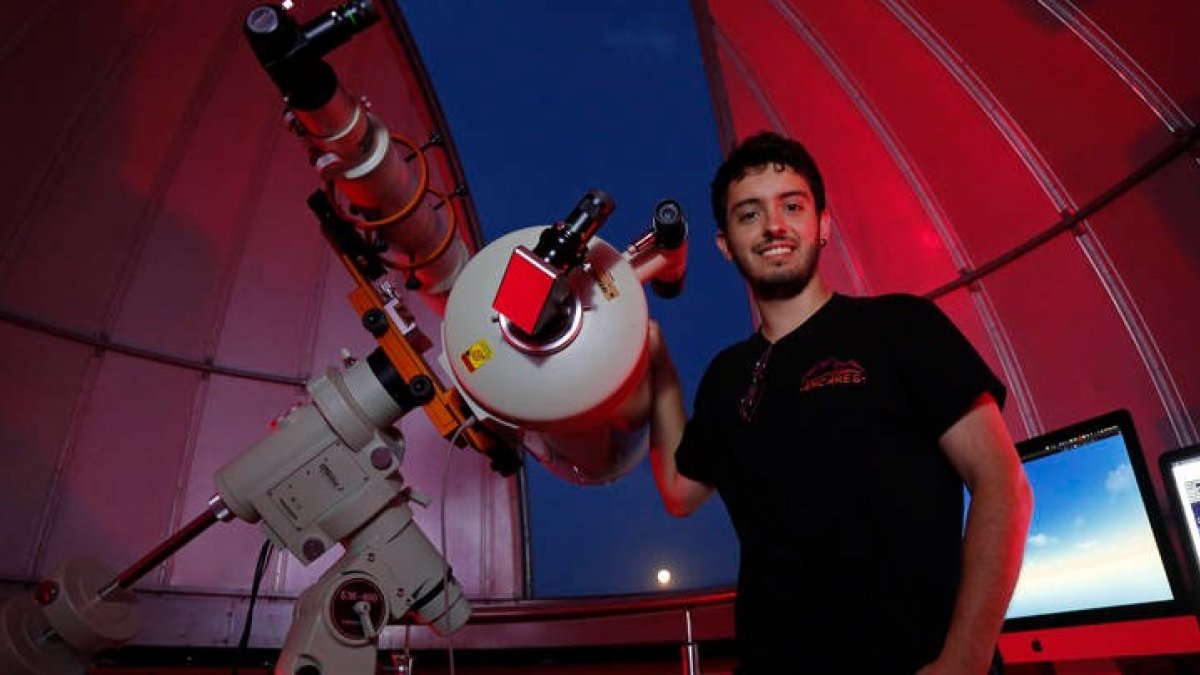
(774, 231)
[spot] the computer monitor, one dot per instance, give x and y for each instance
(1181, 477)
(1097, 549)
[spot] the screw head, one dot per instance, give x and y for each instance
(381, 458)
(313, 548)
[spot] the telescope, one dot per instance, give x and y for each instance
(544, 350)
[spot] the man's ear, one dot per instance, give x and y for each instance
(723, 245)
(825, 225)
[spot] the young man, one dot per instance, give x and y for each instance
(840, 436)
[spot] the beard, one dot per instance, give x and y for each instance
(780, 283)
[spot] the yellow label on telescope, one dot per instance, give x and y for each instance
(608, 285)
(476, 355)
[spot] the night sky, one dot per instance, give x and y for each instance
(545, 101)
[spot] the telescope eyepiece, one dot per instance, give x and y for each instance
(263, 20)
(670, 226)
(563, 245)
(271, 32)
(286, 49)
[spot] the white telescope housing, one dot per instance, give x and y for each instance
(578, 396)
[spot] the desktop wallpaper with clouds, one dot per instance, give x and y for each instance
(1090, 543)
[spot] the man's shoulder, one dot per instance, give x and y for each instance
(735, 352)
(889, 301)
(887, 308)
(732, 357)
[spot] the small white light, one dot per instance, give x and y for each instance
(287, 4)
(664, 577)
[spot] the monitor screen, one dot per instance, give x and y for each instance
(1181, 475)
(1096, 549)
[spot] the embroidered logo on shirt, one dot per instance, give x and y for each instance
(831, 371)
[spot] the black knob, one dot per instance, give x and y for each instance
(421, 388)
(376, 323)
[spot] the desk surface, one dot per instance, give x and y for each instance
(1143, 637)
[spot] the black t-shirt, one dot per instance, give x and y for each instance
(848, 513)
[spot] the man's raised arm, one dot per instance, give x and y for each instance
(680, 494)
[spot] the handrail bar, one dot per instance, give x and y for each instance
(595, 607)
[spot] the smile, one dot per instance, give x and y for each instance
(776, 249)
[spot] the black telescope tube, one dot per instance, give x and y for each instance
(563, 244)
(291, 53)
(334, 28)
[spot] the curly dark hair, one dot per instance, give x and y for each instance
(761, 149)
